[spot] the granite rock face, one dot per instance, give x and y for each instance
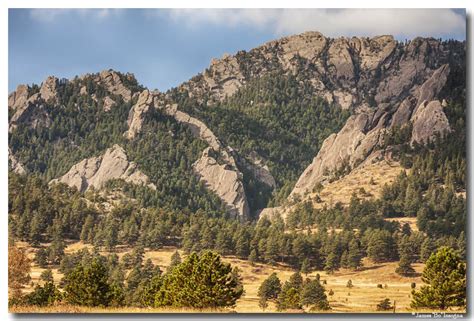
(112, 81)
(360, 141)
(96, 171)
(224, 180)
(429, 120)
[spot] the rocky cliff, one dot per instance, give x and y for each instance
(384, 83)
(96, 171)
(29, 105)
(359, 141)
(217, 167)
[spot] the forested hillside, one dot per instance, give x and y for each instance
(234, 162)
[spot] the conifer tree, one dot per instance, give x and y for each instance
(445, 278)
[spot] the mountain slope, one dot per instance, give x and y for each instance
(263, 115)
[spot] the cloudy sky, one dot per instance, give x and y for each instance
(165, 47)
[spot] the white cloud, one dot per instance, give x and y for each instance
(50, 15)
(333, 22)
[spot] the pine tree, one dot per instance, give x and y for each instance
(289, 298)
(253, 257)
(305, 267)
(270, 287)
(313, 295)
(331, 263)
(47, 275)
(175, 260)
(404, 266)
(87, 285)
(296, 281)
(44, 295)
(428, 247)
(349, 284)
(354, 257)
(41, 258)
(344, 259)
(445, 276)
(384, 305)
(200, 281)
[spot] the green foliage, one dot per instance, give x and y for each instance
(47, 275)
(404, 266)
(445, 276)
(44, 295)
(277, 116)
(313, 295)
(384, 305)
(201, 281)
(87, 285)
(270, 287)
(289, 298)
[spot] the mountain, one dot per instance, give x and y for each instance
(256, 132)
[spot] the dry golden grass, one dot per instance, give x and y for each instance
(366, 182)
(402, 220)
(362, 298)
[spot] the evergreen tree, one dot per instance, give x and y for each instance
(253, 257)
(354, 257)
(404, 266)
(87, 285)
(349, 284)
(313, 295)
(445, 276)
(44, 295)
(305, 267)
(202, 281)
(428, 247)
(47, 275)
(41, 258)
(331, 263)
(175, 260)
(289, 298)
(270, 287)
(384, 305)
(296, 281)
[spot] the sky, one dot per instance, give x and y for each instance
(164, 47)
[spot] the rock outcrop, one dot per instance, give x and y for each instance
(358, 143)
(259, 170)
(429, 120)
(14, 164)
(18, 98)
(30, 108)
(112, 81)
(137, 113)
(96, 171)
(224, 180)
(49, 90)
